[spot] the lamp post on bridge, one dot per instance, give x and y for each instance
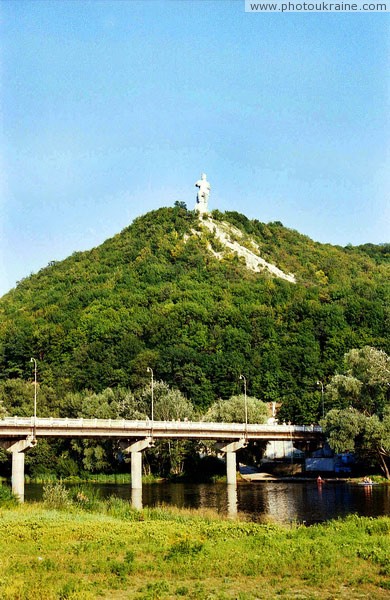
(150, 370)
(35, 397)
(245, 405)
(322, 397)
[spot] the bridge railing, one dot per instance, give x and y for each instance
(82, 423)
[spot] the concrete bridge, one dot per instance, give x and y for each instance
(18, 434)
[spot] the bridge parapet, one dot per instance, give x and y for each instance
(94, 428)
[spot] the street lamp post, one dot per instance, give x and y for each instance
(35, 397)
(322, 397)
(150, 370)
(245, 405)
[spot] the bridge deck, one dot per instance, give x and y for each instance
(19, 427)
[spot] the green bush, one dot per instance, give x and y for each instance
(55, 495)
(86, 497)
(184, 548)
(7, 498)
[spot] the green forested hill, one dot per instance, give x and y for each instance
(155, 295)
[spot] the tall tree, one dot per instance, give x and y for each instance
(233, 410)
(365, 382)
(360, 421)
(349, 430)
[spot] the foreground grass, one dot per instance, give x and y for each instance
(119, 553)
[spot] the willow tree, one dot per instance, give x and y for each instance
(360, 421)
(367, 436)
(233, 410)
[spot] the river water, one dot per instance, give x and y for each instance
(283, 502)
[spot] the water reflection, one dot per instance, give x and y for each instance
(232, 500)
(280, 502)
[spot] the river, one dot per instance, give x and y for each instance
(282, 502)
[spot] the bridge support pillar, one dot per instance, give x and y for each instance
(17, 449)
(18, 475)
(136, 470)
(231, 468)
(136, 466)
(136, 498)
(231, 463)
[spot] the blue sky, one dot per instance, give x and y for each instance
(112, 109)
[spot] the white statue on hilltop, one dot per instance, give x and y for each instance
(203, 194)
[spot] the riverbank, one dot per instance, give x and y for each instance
(254, 476)
(267, 478)
(109, 550)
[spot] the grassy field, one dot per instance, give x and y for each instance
(90, 549)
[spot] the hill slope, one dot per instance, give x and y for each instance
(167, 292)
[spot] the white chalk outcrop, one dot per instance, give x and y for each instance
(224, 232)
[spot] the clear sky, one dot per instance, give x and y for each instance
(111, 109)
